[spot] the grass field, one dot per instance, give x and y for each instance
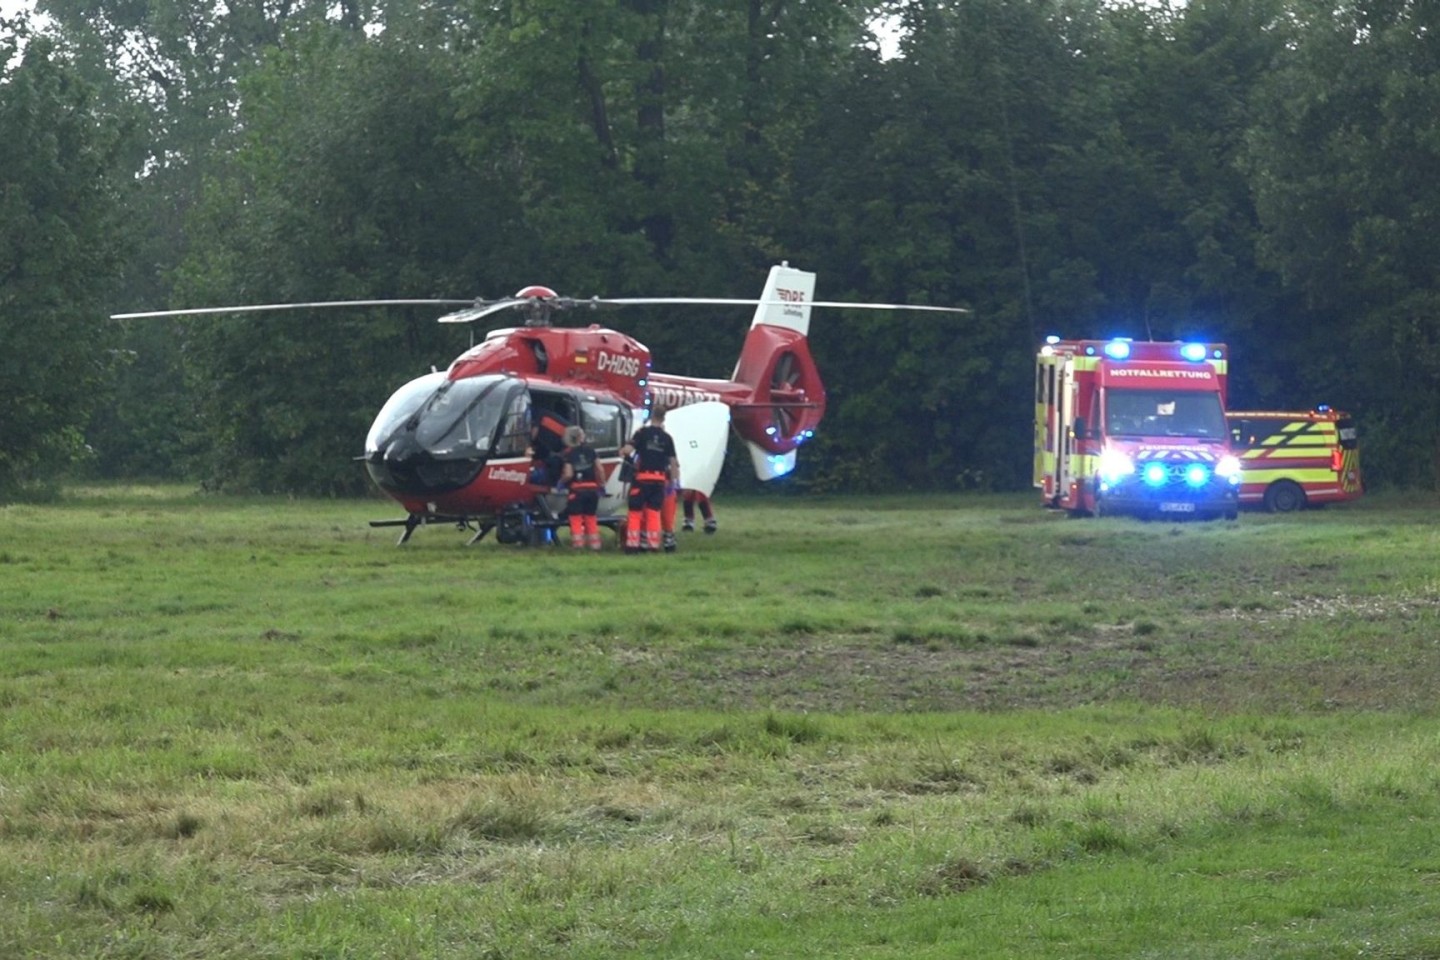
(908, 728)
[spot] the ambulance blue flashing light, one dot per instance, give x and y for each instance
(1323, 408)
(1052, 339)
(1196, 475)
(1118, 350)
(1155, 474)
(1194, 352)
(781, 463)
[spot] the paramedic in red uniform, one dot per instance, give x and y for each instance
(581, 476)
(693, 499)
(667, 516)
(656, 467)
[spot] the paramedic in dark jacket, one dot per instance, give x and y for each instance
(580, 475)
(656, 467)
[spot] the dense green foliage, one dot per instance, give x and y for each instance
(59, 240)
(1256, 171)
(943, 726)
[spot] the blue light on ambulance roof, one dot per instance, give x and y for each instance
(1193, 351)
(1052, 339)
(1089, 351)
(1118, 350)
(1323, 408)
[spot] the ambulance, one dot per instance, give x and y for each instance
(1134, 427)
(1293, 459)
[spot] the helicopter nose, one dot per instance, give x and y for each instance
(402, 449)
(403, 465)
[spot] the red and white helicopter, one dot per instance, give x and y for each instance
(453, 446)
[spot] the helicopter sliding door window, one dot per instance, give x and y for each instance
(604, 425)
(560, 406)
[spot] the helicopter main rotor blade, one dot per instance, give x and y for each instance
(477, 310)
(260, 307)
(641, 301)
(850, 305)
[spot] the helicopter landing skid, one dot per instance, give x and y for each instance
(517, 526)
(417, 520)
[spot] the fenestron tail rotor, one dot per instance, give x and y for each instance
(788, 395)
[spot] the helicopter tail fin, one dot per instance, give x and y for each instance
(775, 361)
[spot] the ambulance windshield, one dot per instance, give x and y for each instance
(1164, 413)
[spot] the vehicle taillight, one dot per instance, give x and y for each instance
(1336, 459)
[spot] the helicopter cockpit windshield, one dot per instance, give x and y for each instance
(449, 419)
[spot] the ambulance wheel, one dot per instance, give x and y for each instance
(1283, 496)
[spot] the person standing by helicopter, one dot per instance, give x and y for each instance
(667, 516)
(656, 467)
(693, 499)
(580, 475)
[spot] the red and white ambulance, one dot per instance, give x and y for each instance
(1134, 427)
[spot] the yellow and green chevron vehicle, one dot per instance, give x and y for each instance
(1293, 459)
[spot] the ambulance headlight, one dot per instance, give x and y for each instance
(1197, 475)
(1115, 466)
(1155, 474)
(1229, 468)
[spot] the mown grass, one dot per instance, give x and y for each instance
(839, 728)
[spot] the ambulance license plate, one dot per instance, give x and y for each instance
(1177, 508)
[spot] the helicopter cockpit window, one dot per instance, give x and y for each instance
(464, 417)
(400, 407)
(515, 432)
(604, 425)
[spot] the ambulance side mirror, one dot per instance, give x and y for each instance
(1079, 428)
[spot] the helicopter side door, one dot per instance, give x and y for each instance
(607, 427)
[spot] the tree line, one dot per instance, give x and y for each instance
(1262, 172)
